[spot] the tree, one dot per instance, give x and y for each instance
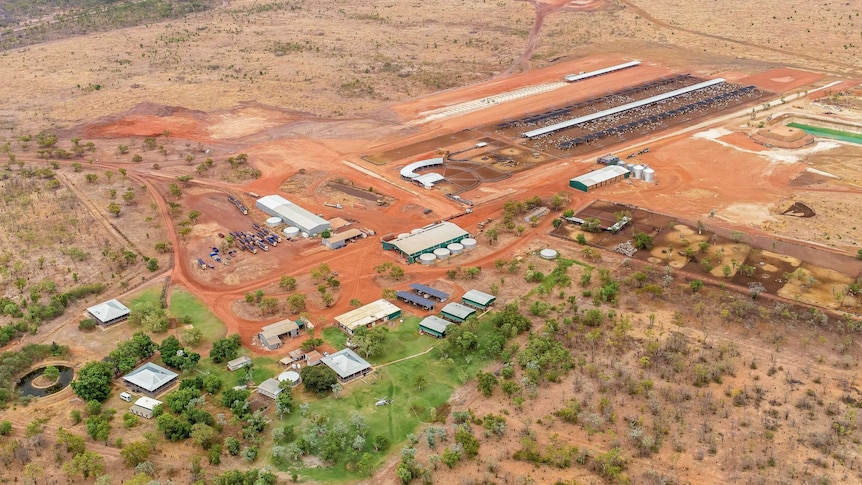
(321, 272)
(591, 224)
(493, 235)
(99, 427)
(369, 342)
(486, 382)
(173, 428)
(51, 374)
(135, 453)
(226, 348)
(859, 254)
(355, 302)
(123, 149)
(91, 177)
(643, 241)
(318, 379)
(380, 443)
(420, 382)
(114, 208)
(311, 344)
(194, 215)
(175, 191)
(191, 337)
(87, 464)
(284, 401)
(204, 435)
(287, 283)
(296, 302)
(94, 381)
(695, 285)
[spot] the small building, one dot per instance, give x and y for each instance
(313, 358)
(347, 364)
(337, 241)
(270, 388)
(426, 240)
(429, 292)
(270, 335)
(239, 363)
(434, 326)
(109, 312)
(292, 214)
(367, 316)
(608, 159)
(457, 312)
(144, 407)
(414, 299)
(150, 379)
(478, 299)
(599, 178)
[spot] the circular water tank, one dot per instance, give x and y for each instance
(291, 232)
(290, 376)
(273, 221)
(427, 258)
(441, 253)
(630, 166)
(469, 243)
(638, 171)
(621, 163)
(649, 175)
(548, 254)
(403, 234)
(416, 231)
(455, 248)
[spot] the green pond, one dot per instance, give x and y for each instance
(828, 133)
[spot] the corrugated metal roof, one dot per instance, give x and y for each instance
(344, 236)
(147, 403)
(458, 310)
(108, 310)
(436, 324)
(479, 297)
(601, 175)
(150, 376)
(430, 236)
(429, 179)
(345, 363)
(366, 314)
(278, 206)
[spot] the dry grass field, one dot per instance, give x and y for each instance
(670, 382)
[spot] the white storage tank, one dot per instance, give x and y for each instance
(649, 175)
(441, 253)
(427, 258)
(455, 248)
(273, 221)
(291, 232)
(469, 243)
(290, 376)
(548, 254)
(630, 166)
(638, 171)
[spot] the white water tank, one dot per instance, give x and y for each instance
(630, 166)
(273, 221)
(548, 254)
(291, 232)
(649, 175)
(441, 253)
(290, 376)
(469, 243)
(455, 248)
(427, 258)
(638, 171)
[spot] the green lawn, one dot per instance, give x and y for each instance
(410, 407)
(150, 295)
(184, 303)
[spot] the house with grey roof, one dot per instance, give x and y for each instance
(109, 312)
(347, 364)
(150, 379)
